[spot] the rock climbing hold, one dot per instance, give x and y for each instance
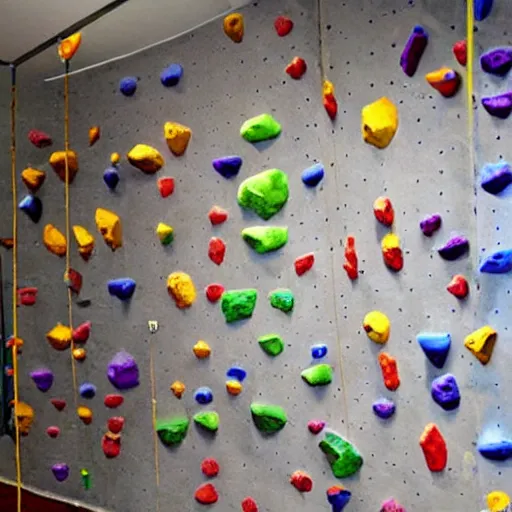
(296, 68)
(351, 264)
(283, 26)
(54, 240)
(495, 178)
(33, 178)
(85, 414)
(25, 416)
(58, 162)
(456, 247)
(145, 158)
(85, 242)
(73, 280)
(94, 135)
(384, 408)
(203, 395)
(214, 292)
(27, 296)
(236, 372)
(434, 448)
(181, 288)
(79, 354)
(32, 206)
(165, 233)
(122, 371)
(7, 243)
(482, 9)
(413, 51)
(496, 450)
(111, 177)
(343, 457)
(444, 80)
(210, 467)
(481, 343)
(282, 299)
(338, 497)
(301, 481)
(436, 346)
(17, 342)
(304, 263)
(165, 186)
(58, 404)
(217, 215)
(497, 62)
(60, 471)
(60, 337)
(329, 99)
(177, 137)
(43, 379)
(113, 401)
(430, 224)
(172, 431)
(389, 369)
(377, 326)
(498, 106)
(268, 418)
(499, 262)
(391, 505)
(313, 175)
(238, 304)
(111, 445)
(272, 344)
(383, 210)
(39, 138)
(206, 494)
(69, 46)
(260, 128)
(379, 122)
(128, 85)
(202, 350)
(178, 389)
(458, 286)
(171, 75)
(209, 420)
(234, 387)
(391, 252)
(445, 392)
(123, 288)
(115, 424)
(317, 375)
(216, 250)
(87, 390)
(460, 50)
(115, 158)
(265, 239)
(53, 432)
(109, 225)
(234, 26)
(498, 501)
(319, 351)
(227, 166)
(316, 426)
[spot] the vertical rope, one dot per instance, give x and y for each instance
(470, 44)
(153, 418)
(14, 191)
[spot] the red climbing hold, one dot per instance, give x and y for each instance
(383, 210)
(301, 481)
(249, 505)
(217, 215)
(113, 401)
(214, 292)
(53, 431)
(206, 494)
(331, 106)
(111, 445)
(58, 403)
(389, 369)
(73, 279)
(82, 332)
(460, 50)
(210, 467)
(166, 186)
(350, 264)
(296, 68)
(458, 286)
(39, 138)
(304, 263)
(434, 448)
(216, 250)
(27, 296)
(115, 424)
(283, 26)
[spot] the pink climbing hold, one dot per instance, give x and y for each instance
(316, 426)
(206, 494)
(115, 424)
(301, 481)
(210, 467)
(304, 263)
(217, 215)
(53, 431)
(214, 292)
(216, 250)
(249, 505)
(82, 332)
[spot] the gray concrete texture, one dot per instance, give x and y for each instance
(426, 169)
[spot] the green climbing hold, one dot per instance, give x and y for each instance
(209, 420)
(282, 299)
(262, 127)
(268, 418)
(238, 304)
(318, 375)
(265, 193)
(172, 431)
(343, 456)
(272, 344)
(265, 238)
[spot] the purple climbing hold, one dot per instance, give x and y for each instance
(122, 288)
(391, 505)
(456, 247)
(87, 390)
(32, 206)
(482, 9)
(445, 392)
(122, 371)
(60, 471)
(111, 177)
(43, 379)
(171, 75)
(384, 408)
(338, 497)
(497, 61)
(496, 177)
(430, 224)
(413, 50)
(227, 166)
(499, 105)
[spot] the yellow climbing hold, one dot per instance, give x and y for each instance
(85, 414)
(165, 233)
(178, 388)
(234, 26)
(377, 326)
(54, 240)
(25, 415)
(60, 337)
(94, 135)
(379, 122)
(233, 387)
(84, 240)
(33, 178)
(109, 225)
(58, 162)
(69, 46)
(327, 88)
(145, 158)
(481, 343)
(115, 158)
(79, 354)
(181, 288)
(498, 501)
(202, 350)
(177, 137)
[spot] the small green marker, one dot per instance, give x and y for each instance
(86, 479)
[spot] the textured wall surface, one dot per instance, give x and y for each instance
(426, 169)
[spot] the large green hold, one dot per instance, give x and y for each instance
(268, 418)
(282, 299)
(265, 238)
(272, 344)
(172, 431)
(265, 193)
(318, 375)
(262, 127)
(344, 458)
(238, 304)
(209, 420)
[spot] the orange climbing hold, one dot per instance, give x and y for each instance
(301, 481)
(391, 252)
(69, 46)
(79, 354)
(383, 210)
(94, 135)
(54, 240)
(234, 27)
(33, 178)
(389, 369)
(329, 100)
(25, 415)
(434, 448)
(58, 162)
(350, 264)
(178, 389)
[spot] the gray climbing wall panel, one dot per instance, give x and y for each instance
(426, 169)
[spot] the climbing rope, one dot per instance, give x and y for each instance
(470, 45)
(153, 418)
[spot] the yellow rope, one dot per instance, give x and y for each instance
(470, 44)
(153, 417)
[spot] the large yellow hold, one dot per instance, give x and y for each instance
(58, 162)
(498, 501)
(60, 337)
(177, 137)
(377, 326)
(85, 241)
(181, 288)
(109, 225)
(481, 343)
(379, 122)
(25, 416)
(69, 46)
(33, 178)
(54, 240)
(145, 158)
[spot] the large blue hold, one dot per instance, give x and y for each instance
(482, 9)
(203, 395)
(111, 177)
(445, 392)
(171, 75)
(87, 390)
(313, 175)
(436, 346)
(237, 372)
(32, 206)
(227, 166)
(499, 262)
(495, 178)
(128, 85)
(338, 498)
(319, 350)
(122, 288)
(499, 450)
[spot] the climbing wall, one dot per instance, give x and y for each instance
(425, 170)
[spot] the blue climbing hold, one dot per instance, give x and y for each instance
(436, 346)
(445, 392)
(338, 497)
(313, 175)
(227, 166)
(384, 408)
(482, 9)
(111, 177)
(319, 350)
(498, 450)
(128, 85)
(237, 372)
(32, 206)
(499, 262)
(203, 395)
(171, 75)
(87, 390)
(496, 177)
(122, 288)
